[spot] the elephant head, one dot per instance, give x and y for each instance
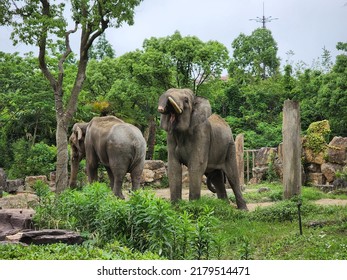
(181, 110)
(77, 149)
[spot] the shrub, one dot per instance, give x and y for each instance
(38, 159)
(282, 211)
(143, 223)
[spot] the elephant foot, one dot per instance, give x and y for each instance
(119, 195)
(242, 207)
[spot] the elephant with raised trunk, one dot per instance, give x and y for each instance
(117, 145)
(200, 140)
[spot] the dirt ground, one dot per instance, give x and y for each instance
(165, 193)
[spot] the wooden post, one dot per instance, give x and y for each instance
(291, 149)
(239, 144)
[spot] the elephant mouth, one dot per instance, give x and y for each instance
(171, 108)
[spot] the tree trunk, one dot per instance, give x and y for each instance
(151, 137)
(61, 181)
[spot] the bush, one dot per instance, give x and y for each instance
(282, 211)
(38, 159)
(143, 223)
(113, 251)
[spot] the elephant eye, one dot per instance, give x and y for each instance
(186, 99)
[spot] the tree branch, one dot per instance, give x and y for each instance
(66, 53)
(42, 47)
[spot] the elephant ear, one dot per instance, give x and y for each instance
(79, 133)
(201, 111)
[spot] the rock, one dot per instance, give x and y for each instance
(263, 189)
(329, 170)
(50, 236)
(20, 200)
(263, 157)
(31, 180)
(258, 174)
(2, 181)
(316, 178)
(12, 186)
(147, 176)
(52, 176)
(340, 183)
(14, 220)
(337, 150)
(313, 168)
(159, 173)
(312, 157)
(154, 164)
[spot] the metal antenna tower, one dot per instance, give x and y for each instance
(264, 19)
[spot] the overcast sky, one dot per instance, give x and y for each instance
(303, 26)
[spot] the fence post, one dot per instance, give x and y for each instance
(291, 149)
(239, 144)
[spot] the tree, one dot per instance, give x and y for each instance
(255, 54)
(26, 104)
(42, 23)
(102, 49)
(193, 62)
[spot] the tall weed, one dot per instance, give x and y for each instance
(143, 223)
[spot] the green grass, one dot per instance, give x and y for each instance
(147, 227)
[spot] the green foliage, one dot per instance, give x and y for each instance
(283, 211)
(112, 251)
(38, 159)
(255, 54)
(144, 222)
(315, 138)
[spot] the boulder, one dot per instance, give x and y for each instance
(50, 236)
(313, 168)
(329, 170)
(31, 180)
(13, 186)
(312, 157)
(263, 157)
(316, 178)
(337, 150)
(14, 220)
(259, 173)
(340, 183)
(147, 176)
(154, 164)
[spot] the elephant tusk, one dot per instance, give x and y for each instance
(174, 104)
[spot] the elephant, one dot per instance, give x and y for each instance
(200, 140)
(117, 145)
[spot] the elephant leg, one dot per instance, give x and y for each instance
(217, 179)
(232, 175)
(110, 176)
(118, 173)
(175, 179)
(136, 174)
(92, 165)
(195, 178)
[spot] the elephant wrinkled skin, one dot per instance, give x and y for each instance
(200, 140)
(117, 145)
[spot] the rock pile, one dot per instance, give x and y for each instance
(319, 169)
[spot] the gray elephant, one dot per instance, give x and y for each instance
(117, 145)
(200, 140)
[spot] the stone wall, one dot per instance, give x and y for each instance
(317, 169)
